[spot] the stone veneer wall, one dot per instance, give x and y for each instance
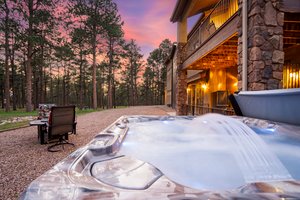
(265, 45)
(181, 78)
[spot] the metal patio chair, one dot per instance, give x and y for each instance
(61, 124)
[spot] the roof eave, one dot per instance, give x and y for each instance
(178, 10)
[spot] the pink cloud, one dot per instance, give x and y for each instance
(148, 22)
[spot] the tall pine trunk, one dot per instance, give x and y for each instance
(110, 80)
(81, 81)
(68, 87)
(13, 70)
(58, 88)
(94, 69)
(131, 86)
(114, 93)
(94, 80)
(45, 87)
(29, 59)
(101, 104)
(135, 92)
(41, 77)
(6, 82)
(110, 84)
(64, 87)
(35, 86)
(24, 80)
(51, 84)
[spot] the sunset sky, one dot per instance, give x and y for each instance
(148, 22)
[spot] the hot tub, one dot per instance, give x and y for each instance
(151, 157)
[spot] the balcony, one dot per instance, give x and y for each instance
(206, 28)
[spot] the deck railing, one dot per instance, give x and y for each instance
(200, 110)
(221, 13)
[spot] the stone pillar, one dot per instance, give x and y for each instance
(181, 75)
(181, 86)
(265, 45)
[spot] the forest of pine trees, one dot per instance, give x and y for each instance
(74, 52)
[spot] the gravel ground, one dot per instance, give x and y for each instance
(23, 159)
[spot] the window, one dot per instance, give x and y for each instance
(291, 77)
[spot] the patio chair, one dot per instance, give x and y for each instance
(61, 123)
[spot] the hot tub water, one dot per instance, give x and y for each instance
(207, 152)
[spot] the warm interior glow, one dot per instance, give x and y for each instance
(204, 86)
(223, 12)
(219, 86)
(235, 84)
(291, 77)
(294, 75)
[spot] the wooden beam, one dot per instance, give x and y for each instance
(290, 6)
(291, 34)
(291, 31)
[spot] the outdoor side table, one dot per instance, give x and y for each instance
(42, 130)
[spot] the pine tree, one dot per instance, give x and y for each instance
(114, 40)
(5, 26)
(34, 13)
(79, 44)
(131, 72)
(155, 62)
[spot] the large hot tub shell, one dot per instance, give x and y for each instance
(99, 171)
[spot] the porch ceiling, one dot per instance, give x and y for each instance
(190, 8)
(225, 55)
(201, 6)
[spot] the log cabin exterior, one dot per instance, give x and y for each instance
(206, 64)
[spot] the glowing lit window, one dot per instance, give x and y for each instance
(291, 76)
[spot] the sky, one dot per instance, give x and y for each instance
(147, 22)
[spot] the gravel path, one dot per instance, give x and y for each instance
(23, 159)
